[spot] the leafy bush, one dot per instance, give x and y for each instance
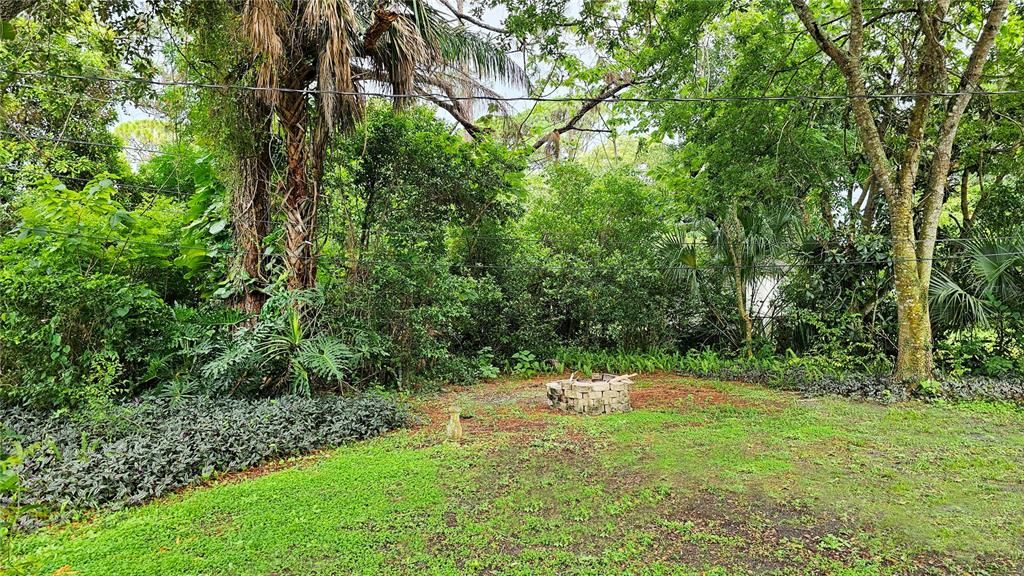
(1007, 388)
(590, 361)
(150, 448)
(812, 375)
(217, 350)
(974, 353)
(69, 339)
(12, 455)
(525, 363)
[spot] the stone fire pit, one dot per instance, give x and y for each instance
(599, 394)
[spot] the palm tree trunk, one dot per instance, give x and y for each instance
(251, 215)
(298, 200)
(250, 203)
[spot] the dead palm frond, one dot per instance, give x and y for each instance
(409, 43)
(330, 25)
(264, 23)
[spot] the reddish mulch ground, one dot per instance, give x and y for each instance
(510, 400)
(682, 396)
(502, 424)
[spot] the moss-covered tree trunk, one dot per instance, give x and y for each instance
(912, 256)
(914, 339)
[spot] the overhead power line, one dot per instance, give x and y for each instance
(493, 98)
(775, 266)
(61, 140)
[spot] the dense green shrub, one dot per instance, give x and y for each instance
(420, 215)
(837, 297)
(68, 339)
(147, 449)
(864, 377)
(601, 283)
(286, 348)
(421, 314)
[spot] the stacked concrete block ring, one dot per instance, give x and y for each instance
(599, 394)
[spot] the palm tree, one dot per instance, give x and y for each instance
(743, 241)
(312, 56)
(985, 290)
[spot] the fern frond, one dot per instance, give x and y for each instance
(954, 306)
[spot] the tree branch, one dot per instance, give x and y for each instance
(942, 159)
(837, 54)
(472, 19)
(473, 129)
(587, 106)
(849, 65)
(382, 21)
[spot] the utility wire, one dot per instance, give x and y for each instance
(42, 230)
(493, 98)
(82, 142)
(165, 190)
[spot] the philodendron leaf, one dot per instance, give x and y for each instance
(218, 226)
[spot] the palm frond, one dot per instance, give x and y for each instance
(457, 85)
(399, 52)
(680, 253)
(263, 22)
(998, 266)
(484, 58)
(423, 36)
(331, 24)
(299, 378)
(954, 306)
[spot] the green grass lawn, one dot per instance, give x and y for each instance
(701, 478)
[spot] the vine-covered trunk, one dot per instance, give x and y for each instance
(298, 201)
(746, 323)
(250, 205)
(733, 230)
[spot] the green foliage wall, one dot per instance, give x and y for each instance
(74, 339)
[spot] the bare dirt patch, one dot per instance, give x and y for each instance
(517, 407)
(682, 396)
(664, 391)
(747, 534)
(752, 533)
